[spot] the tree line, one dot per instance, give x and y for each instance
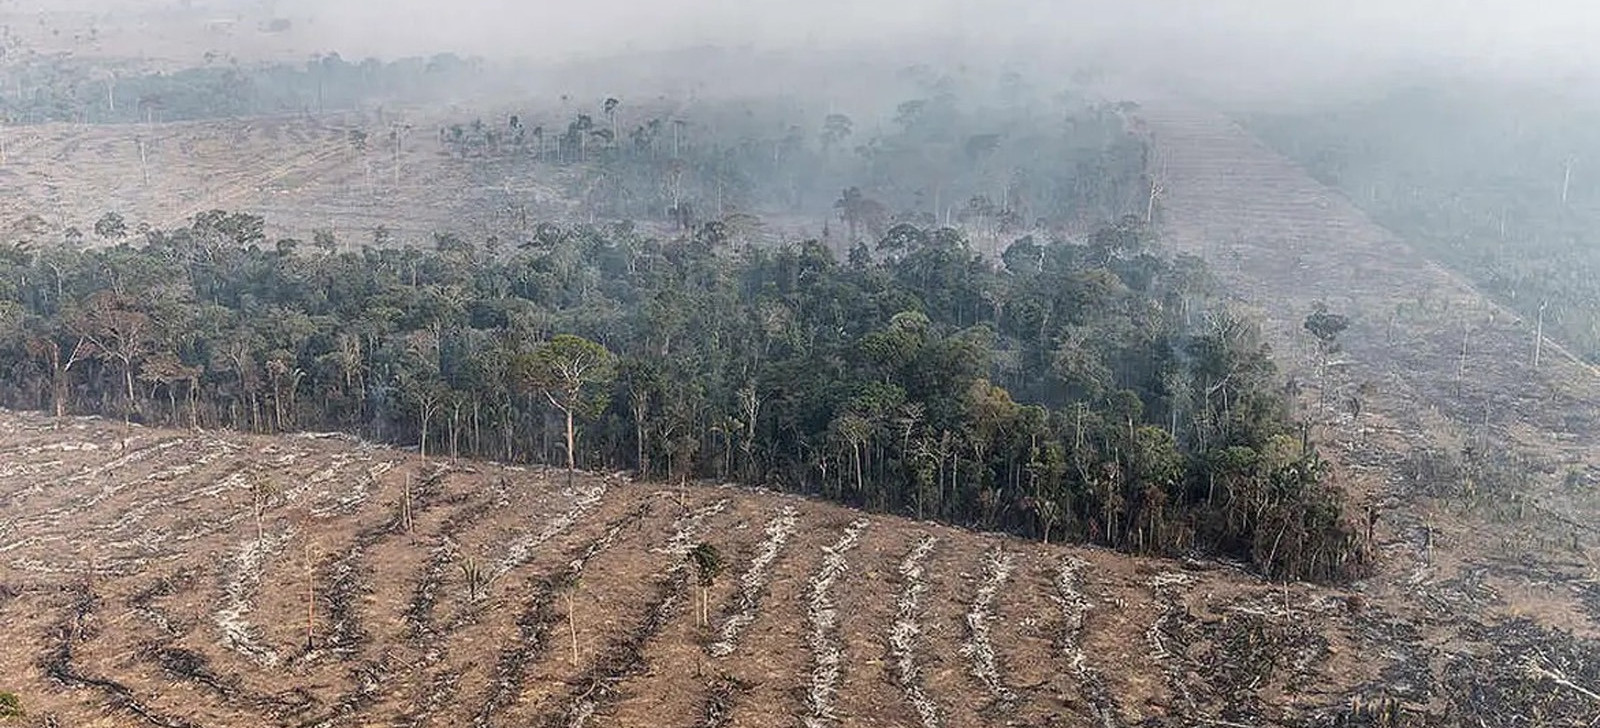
(45, 89)
(988, 158)
(1096, 390)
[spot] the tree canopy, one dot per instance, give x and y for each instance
(1081, 390)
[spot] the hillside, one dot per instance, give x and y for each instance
(1477, 466)
(305, 173)
(138, 590)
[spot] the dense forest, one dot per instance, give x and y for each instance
(1518, 214)
(1093, 391)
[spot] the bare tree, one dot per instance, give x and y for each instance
(1538, 333)
(262, 492)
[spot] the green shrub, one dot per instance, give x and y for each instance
(10, 706)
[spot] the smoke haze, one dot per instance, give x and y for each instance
(1334, 36)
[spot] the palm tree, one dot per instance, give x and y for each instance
(857, 210)
(609, 108)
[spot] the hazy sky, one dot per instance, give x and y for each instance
(1497, 29)
(1243, 47)
(1246, 43)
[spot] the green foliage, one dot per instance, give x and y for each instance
(1325, 326)
(946, 154)
(573, 372)
(10, 706)
(1091, 392)
(707, 563)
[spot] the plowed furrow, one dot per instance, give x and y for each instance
(539, 619)
(905, 635)
(371, 662)
(1069, 595)
(983, 663)
(680, 684)
(772, 663)
(72, 630)
(598, 686)
(828, 658)
(753, 582)
(953, 574)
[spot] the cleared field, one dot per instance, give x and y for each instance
(1478, 468)
(157, 35)
(381, 589)
(1444, 367)
(152, 577)
(303, 173)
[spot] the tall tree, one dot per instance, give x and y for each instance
(121, 332)
(573, 373)
(835, 129)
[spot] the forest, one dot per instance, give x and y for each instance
(1096, 391)
(711, 364)
(1517, 215)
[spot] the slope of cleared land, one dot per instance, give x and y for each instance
(153, 36)
(1478, 466)
(303, 173)
(138, 589)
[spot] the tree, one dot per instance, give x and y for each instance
(474, 576)
(609, 108)
(111, 226)
(573, 373)
(310, 554)
(428, 396)
(835, 129)
(1047, 511)
(643, 380)
(858, 211)
(165, 369)
(902, 239)
(572, 615)
(120, 332)
(1326, 327)
(263, 491)
(854, 430)
(707, 565)
(46, 346)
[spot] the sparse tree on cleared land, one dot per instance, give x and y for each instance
(1325, 326)
(707, 565)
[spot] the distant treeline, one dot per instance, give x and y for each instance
(993, 161)
(1095, 391)
(61, 89)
